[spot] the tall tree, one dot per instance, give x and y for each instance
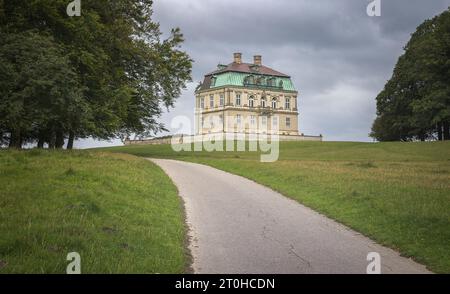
(126, 72)
(415, 103)
(37, 86)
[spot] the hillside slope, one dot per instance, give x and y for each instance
(122, 214)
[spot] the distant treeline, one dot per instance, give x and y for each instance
(415, 102)
(105, 74)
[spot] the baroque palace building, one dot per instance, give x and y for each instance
(246, 98)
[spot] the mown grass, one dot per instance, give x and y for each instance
(120, 212)
(396, 193)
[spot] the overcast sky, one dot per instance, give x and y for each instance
(338, 57)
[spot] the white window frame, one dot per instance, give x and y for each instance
(287, 103)
(238, 120)
(288, 122)
(221, 99)
(211, 101)
(264, 120)
(251, 102)
(238, 100)
(275, 121)
(274, 103)
(202, 102)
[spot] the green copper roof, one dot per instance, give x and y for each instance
(237, 79)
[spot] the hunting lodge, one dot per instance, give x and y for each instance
(247, 98)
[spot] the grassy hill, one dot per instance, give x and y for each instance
(120, 212)
(396, 193)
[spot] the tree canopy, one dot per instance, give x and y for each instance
(106, 74)
(415, 102)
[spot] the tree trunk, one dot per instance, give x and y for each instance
(59, 143)
(15, 141)
(52, 140)
(446, 131)
(40, 143)
(70, 141)
(439, 131)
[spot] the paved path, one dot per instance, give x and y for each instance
(238, 226)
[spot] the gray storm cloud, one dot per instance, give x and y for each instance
(339, 58)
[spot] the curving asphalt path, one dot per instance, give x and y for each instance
(240, 227)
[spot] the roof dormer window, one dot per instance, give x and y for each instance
(213, 81)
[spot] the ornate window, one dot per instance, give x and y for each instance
(213, 81)
(263, 102)
(274, 103)
(250, 80)
(251, 101)
(252, 120)
(211, 101)
(221, 99)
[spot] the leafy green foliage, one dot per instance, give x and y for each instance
(415, 103)
(118, 71)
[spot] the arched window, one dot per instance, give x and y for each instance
(263, 101)
(274, 103)
(251, 101)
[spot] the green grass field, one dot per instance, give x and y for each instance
(396, 193)
(120, 212)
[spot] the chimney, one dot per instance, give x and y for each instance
(237, 58)
(257, 60)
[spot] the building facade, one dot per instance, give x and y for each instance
(246, 98)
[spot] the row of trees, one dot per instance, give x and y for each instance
(105, 74)
(415, 102)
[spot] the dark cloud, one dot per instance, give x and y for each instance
(338, 57)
